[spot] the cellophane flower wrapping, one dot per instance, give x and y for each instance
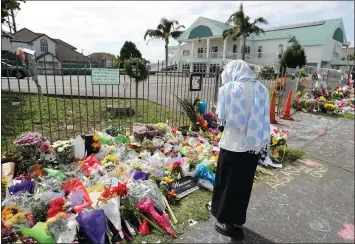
(63, 228)
(74, 185)
(48, 188)
(25, 185)
(202, 172)
(91, 165)
(93, 224)
(146, 189)
(112, 212)
(147, 206)
(139, 175)
(21, 199)
(144, 228)
(40, 233)
(64, 150)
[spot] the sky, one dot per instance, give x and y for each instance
(103, 26)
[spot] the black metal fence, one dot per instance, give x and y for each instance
(68, 105)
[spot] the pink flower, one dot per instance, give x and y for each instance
(44, 148)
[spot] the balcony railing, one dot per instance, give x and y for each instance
(216, 55)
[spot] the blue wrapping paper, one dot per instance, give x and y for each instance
(139, 175)
(26, 185)
(93, 224)
(202, 172)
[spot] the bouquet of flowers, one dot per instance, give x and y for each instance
(278, 138)
(139, 132)
(64, 151)
(96, 144)
(28, 144)
(151, 132)
(163, 129)
(310, 104)
(330, 108)
(62, 227)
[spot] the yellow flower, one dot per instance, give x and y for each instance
(109, 158)
(169, 167)
(128, 134)
(9, 212)
(19, 218)
(3, 181)
(274, 141)
(95, 138)
(167, 179)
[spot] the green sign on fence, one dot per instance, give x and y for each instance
(100, 76)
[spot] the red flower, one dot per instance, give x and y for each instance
(53, 212)
(106, 192)
(175, 129)
(120, 189)
(171, 195)
(57, 203)
(176, 165)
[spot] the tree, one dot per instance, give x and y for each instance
(243, 27)
(8, 8)
(294, 56)
(165, 30)
(129, 50)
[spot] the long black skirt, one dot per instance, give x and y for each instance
(233, 184)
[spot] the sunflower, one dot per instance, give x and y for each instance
(9, 212)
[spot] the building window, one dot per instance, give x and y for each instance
(246, 48)
(44, 45)
(186, 53)
(199, 68)
(260, 52)
(215, 49)
(235, 48)
(200, 50)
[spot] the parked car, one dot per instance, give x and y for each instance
(8, 70)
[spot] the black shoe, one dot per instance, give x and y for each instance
(236, 233)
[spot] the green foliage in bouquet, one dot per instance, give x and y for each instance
(190, 109)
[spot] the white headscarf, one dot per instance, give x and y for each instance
(237, 70)
(231, 106)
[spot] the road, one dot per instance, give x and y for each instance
(309, 201)
(159, 89)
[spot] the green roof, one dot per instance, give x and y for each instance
(219, 24)
(307, 34)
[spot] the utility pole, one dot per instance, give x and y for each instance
(13, 21)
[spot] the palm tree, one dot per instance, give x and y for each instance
(243, 27)
(165, 30)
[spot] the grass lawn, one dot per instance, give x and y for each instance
(62, 118)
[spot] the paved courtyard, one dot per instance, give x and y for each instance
(309, 201)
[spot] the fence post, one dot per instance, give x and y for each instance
(216, 87)
(136, 113)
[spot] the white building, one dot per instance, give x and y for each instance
(201, 47)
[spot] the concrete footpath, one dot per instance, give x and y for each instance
(309, 201)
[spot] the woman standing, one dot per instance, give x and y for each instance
(243, 105)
